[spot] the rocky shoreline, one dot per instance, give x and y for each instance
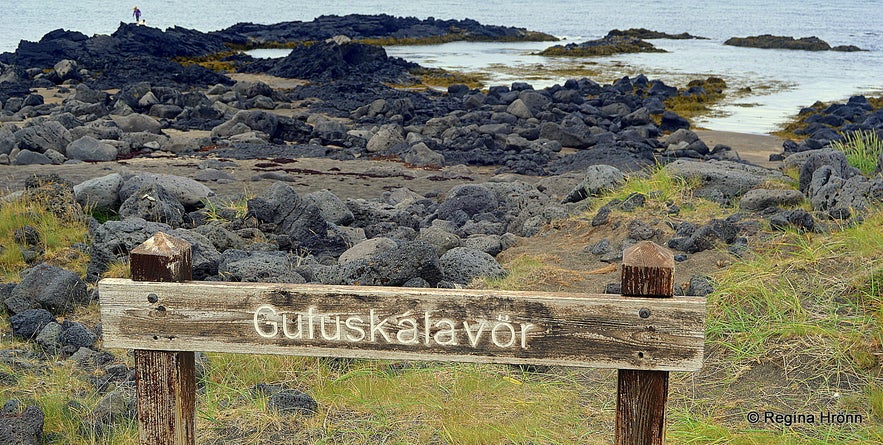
(507, 161)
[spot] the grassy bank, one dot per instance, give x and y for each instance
(795, 326)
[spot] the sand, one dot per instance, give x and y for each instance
(754, 148)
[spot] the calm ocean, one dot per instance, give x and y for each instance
(781, 81)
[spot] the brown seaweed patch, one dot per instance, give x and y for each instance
(607, 46)
(218, 62)
(698, 97)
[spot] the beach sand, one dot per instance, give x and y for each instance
(754, 148)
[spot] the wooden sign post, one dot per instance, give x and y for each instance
(481, 326)
(647, 271)
(166, 381)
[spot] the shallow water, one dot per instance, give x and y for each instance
(781, 81)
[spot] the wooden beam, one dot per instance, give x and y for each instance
(647, 271)
(166, 380)
(462, 325)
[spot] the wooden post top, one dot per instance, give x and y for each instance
(162, 258)
(648, 271)
(161, 244)
(648, 254)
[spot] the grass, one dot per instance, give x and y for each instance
(228, 208)
(527, 272)
(862, 149)
(365, 402)
(816, 299)
(661, 188)
(59, 229)
(65, 395)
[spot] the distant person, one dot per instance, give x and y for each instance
(137, 13)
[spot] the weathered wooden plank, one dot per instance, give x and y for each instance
(647, 271)
(400, 323)
(165, 380)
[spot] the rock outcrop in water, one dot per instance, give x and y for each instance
(606, 46)
(381, 27)
(769, 41)
(646, 34)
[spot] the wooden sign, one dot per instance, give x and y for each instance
(606, 331)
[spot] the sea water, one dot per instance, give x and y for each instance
(781, 81)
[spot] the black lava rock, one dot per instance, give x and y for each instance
(28, 324)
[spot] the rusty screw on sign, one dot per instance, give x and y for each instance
(152, 298)
(644, 313)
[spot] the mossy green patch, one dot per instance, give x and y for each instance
(570, 69)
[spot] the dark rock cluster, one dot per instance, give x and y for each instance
(770, 41)
(135, 53)
(647, 34)
(327, 61)
(21, 426)
(131, 54)
(379, 26)
(514, 127)
(612, 43)
(821, 124)
(830, 184)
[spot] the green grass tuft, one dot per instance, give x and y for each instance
(227, 209)
(862, 149)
